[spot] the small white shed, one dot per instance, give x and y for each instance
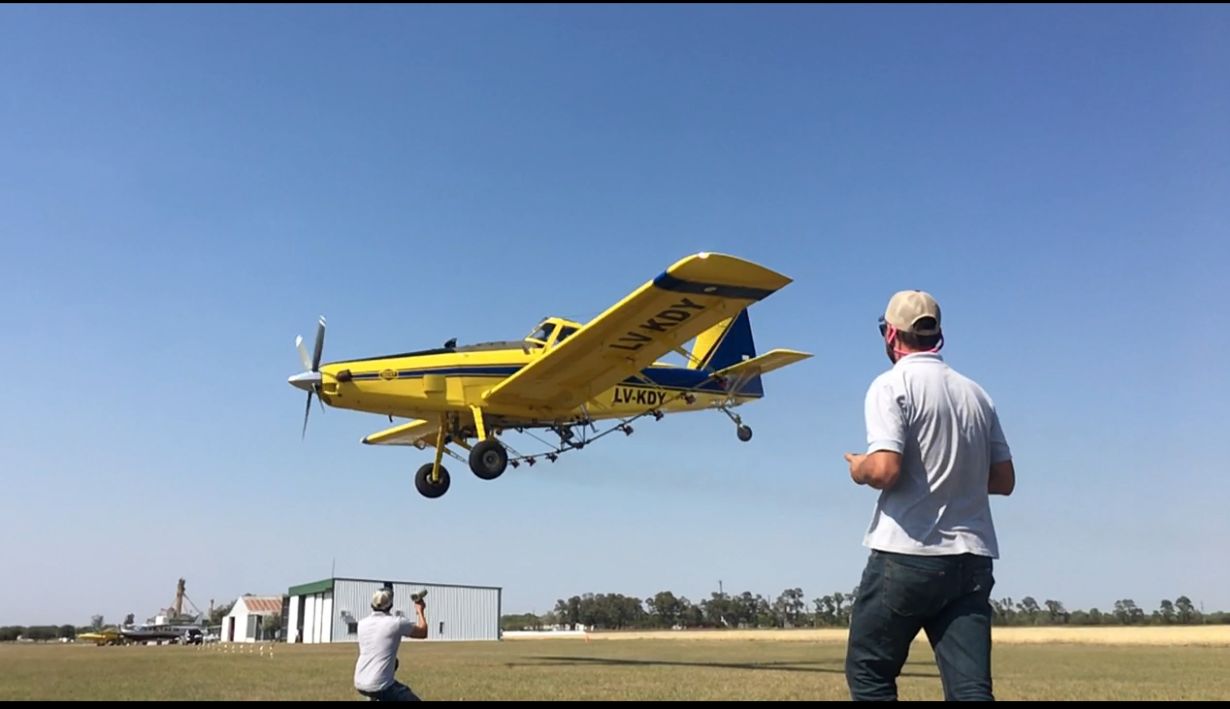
(250, 619)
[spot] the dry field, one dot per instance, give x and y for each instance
(1029, 663)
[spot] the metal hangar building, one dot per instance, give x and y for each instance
(329, 611)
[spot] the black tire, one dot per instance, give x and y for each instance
(488, 459)
(428, 489)
(744, 433)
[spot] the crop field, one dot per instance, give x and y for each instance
(1029, 663)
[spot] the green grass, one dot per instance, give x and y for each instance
(603, 669)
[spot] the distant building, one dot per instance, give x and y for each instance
(329, 611)
(252, 619)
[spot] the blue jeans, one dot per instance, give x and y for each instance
(900, 594)
(396, 692)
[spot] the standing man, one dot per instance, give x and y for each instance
(935, 451)
(380, 637)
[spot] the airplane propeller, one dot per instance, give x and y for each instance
(309, 379)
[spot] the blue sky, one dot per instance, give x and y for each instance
(185, 189)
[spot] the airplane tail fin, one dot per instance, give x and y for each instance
(728, 350)
(725, 344)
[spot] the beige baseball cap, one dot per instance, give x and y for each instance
(907, 307)
(382, 600)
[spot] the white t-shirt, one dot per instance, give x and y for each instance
(948, 434)
(380, 637)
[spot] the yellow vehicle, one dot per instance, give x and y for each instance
(106, 636)
(566, 376)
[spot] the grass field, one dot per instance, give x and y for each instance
(1029, 663)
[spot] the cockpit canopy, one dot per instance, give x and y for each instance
(552, 331)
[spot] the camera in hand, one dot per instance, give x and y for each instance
(416, 597)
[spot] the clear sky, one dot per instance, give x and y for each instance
(185, 189)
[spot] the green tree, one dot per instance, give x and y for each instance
(693, 615)
(762, 614)
(826, 613)
(1003, 612)
(572, 611)
(270, 625)
(1127, 612)
(522, 621)
(1029, 608)
(1166, 611)
(68, 631)
(42, 632)
(718, 611)
(1055, 612)
(1186, 611)
(220, 612)
(790, 605)
(665, 609)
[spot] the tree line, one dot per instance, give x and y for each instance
(1181, 611)
(11, 633)
(790, 609)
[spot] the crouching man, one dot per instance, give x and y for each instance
(380, 637)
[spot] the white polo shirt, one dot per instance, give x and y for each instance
(947, 431)
(380, 636)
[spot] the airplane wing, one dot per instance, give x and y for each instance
(418, 433)
(688, 298)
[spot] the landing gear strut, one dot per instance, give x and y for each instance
(743, 431)
(432, 479)
(488, 457)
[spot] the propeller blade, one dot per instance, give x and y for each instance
(303, 355)
(320, 344)
(306, 411)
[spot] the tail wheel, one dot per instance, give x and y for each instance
(488, 459)
(427, 488)
(744, 433)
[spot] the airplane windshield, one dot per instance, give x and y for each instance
(543, 333)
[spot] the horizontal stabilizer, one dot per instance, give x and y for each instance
(767, 362)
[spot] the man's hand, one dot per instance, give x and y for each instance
(855, 460)
(879, 469)
(420, 629)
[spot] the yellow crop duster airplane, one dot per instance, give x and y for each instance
(565, 376)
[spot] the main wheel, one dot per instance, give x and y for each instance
(427, 488)
(744, 433)
(488, 459)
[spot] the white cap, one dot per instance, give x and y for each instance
(908, 307)
(382, 600)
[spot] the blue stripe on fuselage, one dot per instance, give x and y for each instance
(468, 371)
(666, 378)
